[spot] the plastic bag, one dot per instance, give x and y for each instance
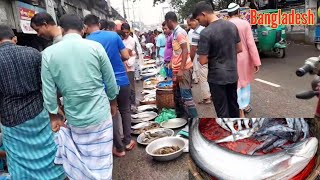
(165, 115)
(163, 72)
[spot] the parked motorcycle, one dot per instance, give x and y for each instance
(312, 67)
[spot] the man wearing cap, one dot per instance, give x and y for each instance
(248, 61)
(161, 43)
(218, 47)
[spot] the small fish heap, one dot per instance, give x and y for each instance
(276, 133)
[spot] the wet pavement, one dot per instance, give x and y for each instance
(138, 165)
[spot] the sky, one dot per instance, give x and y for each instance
(143, 10)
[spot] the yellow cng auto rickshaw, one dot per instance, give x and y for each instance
(271, 40)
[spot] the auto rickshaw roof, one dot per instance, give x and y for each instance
(268, 11)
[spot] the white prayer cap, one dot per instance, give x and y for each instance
(159, 29)
(233, 7)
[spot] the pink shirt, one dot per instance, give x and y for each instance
(249, 57)
(130, 44)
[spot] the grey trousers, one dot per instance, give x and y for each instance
(124, 122)
(133, 88)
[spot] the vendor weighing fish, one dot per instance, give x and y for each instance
(228, 165)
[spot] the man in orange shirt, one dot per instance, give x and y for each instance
(181, 65)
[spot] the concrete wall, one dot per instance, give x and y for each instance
(310, 30)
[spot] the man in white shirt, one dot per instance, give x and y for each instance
(195, 65)
(202, 70)
(130, 44)
(139, 56)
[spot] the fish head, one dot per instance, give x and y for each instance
(306, 148)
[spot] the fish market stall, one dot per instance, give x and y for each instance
(257, 148)
(162, 150)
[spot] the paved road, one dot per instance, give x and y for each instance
(270, 101)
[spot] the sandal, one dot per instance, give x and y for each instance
(131, 145)
(248, 109)
(118, 154)
(205, 101)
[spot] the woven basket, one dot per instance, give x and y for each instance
(147, 102)
(165, 99)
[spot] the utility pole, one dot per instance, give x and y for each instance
(124, 11)
(128, 9)
(134, 17)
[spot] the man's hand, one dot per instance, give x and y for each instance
(256, 69)
(114, 107)
(180, 75)
(57, 121)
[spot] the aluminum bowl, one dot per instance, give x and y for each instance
(166, 141)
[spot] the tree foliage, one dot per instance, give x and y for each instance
(185, 7)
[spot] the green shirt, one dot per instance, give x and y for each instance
(78, 67)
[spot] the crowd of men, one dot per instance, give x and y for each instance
(62, 110)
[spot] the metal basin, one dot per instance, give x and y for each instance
(174, 123)
(166, 141)
(142, 136)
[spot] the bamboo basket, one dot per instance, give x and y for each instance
(314, 124)
(165, 99)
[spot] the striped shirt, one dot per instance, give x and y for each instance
(196, 36)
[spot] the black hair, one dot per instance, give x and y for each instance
(106, 25)
(6, 33)
(91, 19)
(202, 6)
(103, 24)
(164, 23)
(42, 18)
(236, 12)
(120, 33)
(125, 26)
(71, 21)
(171, 16)
(111, 25)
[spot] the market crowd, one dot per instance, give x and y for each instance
(66, 111)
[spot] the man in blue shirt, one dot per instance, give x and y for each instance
(117, 53)
(160, 43)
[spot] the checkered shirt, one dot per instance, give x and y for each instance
(20, 84)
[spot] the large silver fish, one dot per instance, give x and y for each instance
(228, 165)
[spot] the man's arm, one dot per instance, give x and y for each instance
(49, 93)
(109, 79)
(203, 48)
(49, 89)
(238, 40)
(203, 59)
(193, 52)
(194, 44)
(108, 76)
(124, 54)
(122, 49)
(184, 48)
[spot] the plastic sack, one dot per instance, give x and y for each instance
(165, 115)
(163, 72)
